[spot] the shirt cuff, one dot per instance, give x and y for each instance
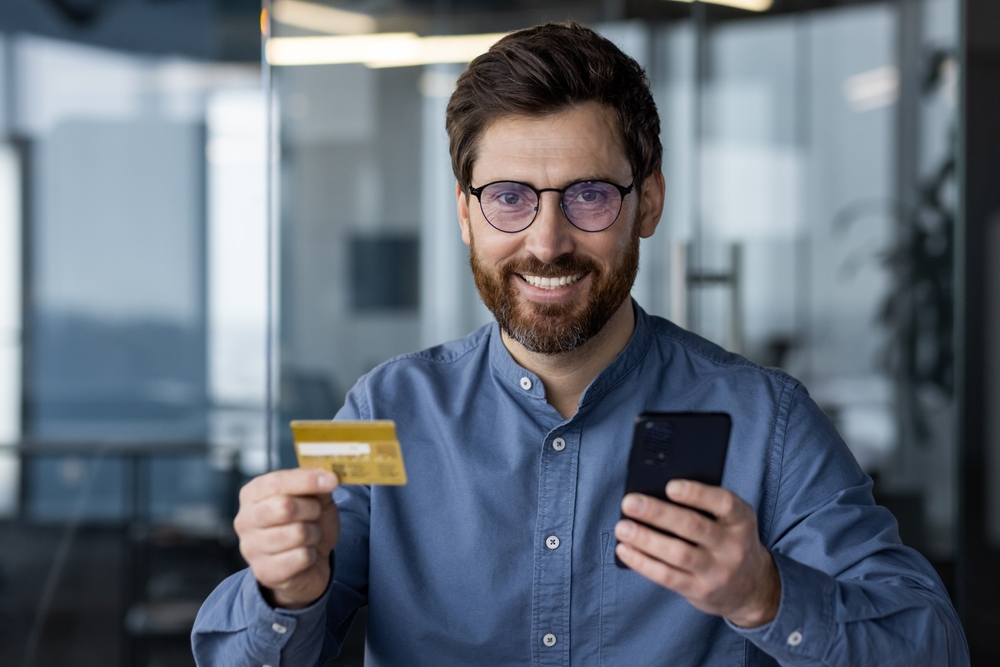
(804, 625)
(273, 629)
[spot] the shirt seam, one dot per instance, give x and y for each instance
(745, 363)
(782, 413)
(474, 341)
(366, 408)
(605, 539)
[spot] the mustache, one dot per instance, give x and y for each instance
(560, 266)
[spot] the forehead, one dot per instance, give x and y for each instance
(552, 150)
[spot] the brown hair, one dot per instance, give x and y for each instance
(547, 69)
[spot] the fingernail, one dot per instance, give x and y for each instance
(625, 529)
(677, 488)
(327, 481)
(634, 503)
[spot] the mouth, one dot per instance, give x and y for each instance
(550, 283)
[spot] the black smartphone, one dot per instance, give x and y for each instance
(676, 445)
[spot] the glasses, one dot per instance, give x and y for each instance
(591, 206)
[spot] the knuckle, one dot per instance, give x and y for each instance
(681, 556)
(269, 483)
(701, 591)
(662, 576)
(310, 507)
(286, 509)
(302, 558)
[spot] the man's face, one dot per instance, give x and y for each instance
(588, 274)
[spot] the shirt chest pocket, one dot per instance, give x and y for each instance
(643, 623)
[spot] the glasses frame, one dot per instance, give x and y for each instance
(624, 191)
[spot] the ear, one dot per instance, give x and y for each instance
(462, 204)
(653, 192)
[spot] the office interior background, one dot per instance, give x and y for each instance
(212, 222)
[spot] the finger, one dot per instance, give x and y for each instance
(281, 510)
(670, 550)
(275, 571)
(721, 503)
(656, 571)
(279, 539)
(295, 482)
(680, 521)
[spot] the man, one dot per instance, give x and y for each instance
(500, 550)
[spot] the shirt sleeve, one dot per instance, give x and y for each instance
(237, 627)
(851, 593)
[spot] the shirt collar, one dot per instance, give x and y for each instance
(514, 375)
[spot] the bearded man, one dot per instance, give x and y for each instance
(501, 548)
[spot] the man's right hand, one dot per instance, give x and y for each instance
(288, 525)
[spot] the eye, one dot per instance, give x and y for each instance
(590, 196)
(509, 198)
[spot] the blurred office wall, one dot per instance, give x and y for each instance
(132, 309)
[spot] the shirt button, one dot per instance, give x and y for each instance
(280, 629)
(795, 638)
(552, 542)
(558, 444)
(549, 639)
(526, 383)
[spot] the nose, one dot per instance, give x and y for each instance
(551, 234)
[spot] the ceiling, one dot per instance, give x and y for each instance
(228, 30)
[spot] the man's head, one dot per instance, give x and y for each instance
(547, 69)
(549, 107)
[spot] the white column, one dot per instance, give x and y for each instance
(237, 273)
(444, 269)
(10, 327)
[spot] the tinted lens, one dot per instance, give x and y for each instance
(510, 207)
(592, 205)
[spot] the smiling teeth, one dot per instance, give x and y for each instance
(551, 283)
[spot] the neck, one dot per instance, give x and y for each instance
(567, 374)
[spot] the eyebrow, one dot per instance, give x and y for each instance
(583, 179)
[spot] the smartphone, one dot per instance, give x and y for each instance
(676, 445)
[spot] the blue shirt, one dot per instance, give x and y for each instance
(456, 570)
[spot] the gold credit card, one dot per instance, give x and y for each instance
(360, 452)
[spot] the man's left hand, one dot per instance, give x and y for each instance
(725, 570)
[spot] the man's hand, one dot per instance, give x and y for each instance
(726, 571)
(288, 525)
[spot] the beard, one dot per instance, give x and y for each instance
(552, 328)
